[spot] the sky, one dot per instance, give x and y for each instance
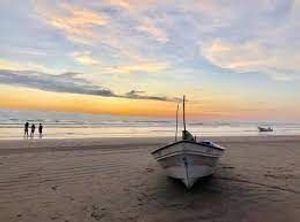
(233, 59)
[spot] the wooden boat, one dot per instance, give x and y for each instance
(265, 129)
(187, 159)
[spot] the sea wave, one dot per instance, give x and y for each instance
(66, 125)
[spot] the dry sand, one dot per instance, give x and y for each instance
(258, 179)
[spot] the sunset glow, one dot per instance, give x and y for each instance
(232, 59)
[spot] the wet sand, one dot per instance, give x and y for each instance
(258, 179)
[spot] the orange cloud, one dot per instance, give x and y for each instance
(252, 57)
(74, 21)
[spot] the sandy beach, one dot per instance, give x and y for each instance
(117, 179)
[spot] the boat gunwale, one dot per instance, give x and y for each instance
(191, 142)
(178, 153)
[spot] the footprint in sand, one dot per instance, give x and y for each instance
(97, 213)
(228, 167)
(54, 187)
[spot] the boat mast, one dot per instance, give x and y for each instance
(176, 132)
(183, 114)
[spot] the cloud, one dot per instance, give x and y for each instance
(120, 34)
(11, 65)
(132, 4)
(147, 25)
(84, 58)
(154, 67)
(234, 56)
(135, 94)
(253, 57)
(121, 3)
(76, 22)
(69, 82)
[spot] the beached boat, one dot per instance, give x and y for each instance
(187, 159)
(265, 129)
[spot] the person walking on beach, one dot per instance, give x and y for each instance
(32, 130)
(26, 126)
(41, 130)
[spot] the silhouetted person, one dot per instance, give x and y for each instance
(26, 127)
(32, 130)
(41, 130)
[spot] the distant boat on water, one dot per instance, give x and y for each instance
(187, 159)
(265, 129)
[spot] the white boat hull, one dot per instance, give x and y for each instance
(188, 161)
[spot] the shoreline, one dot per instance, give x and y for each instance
(85, 144)
(149, 130)
(146, 137)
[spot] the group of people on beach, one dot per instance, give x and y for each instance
(32, 131)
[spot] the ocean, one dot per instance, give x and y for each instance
(72, 125)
